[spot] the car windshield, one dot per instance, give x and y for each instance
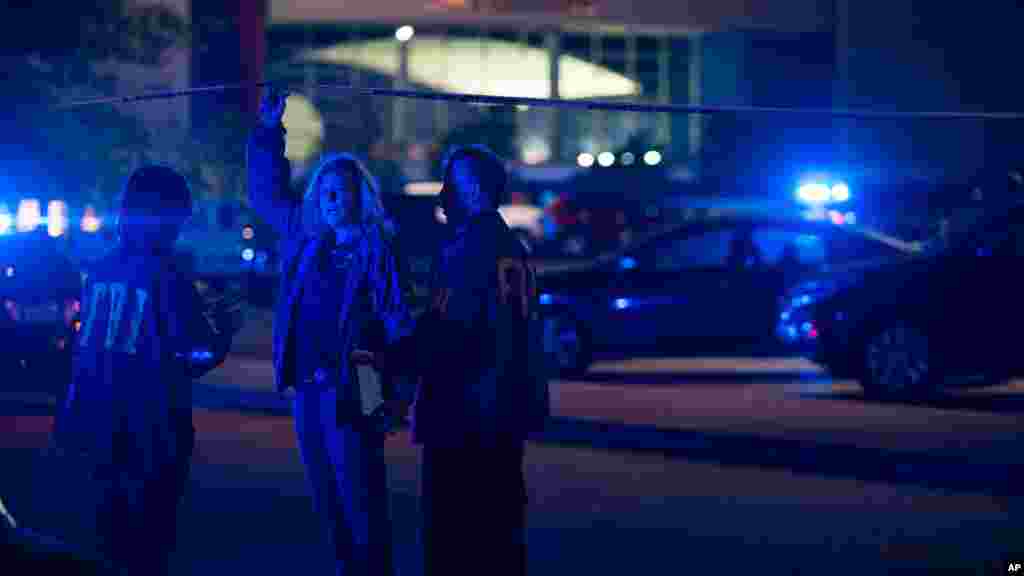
(855, 244)
(634, 246)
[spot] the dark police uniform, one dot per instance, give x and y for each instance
(143, 338)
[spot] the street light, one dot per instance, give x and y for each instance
(405, 33)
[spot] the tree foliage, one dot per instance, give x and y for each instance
(50, 52)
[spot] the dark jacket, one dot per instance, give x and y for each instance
(480, 345)
(270, 196)
(144, 336)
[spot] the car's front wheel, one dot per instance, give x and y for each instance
(900, 363)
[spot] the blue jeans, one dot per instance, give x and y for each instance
(348, 478)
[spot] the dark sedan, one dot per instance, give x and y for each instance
(40, 290)
(709, 286)
(948, 318)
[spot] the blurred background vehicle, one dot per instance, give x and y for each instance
(945, 319)
(40, 289)
(711, 285)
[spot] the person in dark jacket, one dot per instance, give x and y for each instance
(145, 335)
(340, 303)
(481, 394)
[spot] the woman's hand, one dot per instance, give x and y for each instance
(389, 417)
(272, 106)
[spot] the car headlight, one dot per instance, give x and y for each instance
(551, 299)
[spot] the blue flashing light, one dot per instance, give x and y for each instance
(248, 254)
(29, 216)
(546, 299)
(622, 303)
(202, 355)
(813, 193)
(840, 192)
(627, 263)
(821, 190)
(6, 223)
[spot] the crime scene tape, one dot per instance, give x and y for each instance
(584, 104)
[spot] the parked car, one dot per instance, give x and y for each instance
(709, 286)
(40, 290)
(947, 318)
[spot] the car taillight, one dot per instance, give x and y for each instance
(12, 310)
(71, 309)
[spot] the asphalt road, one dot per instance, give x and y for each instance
(679, 466)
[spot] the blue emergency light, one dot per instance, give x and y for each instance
(821, 191)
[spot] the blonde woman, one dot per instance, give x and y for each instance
(339, 297)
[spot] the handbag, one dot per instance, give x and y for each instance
(368, 382)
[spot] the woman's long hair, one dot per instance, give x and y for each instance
(369, 211)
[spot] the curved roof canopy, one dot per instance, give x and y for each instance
(491, 67)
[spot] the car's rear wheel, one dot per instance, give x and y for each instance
(568, 345)
(900, 363)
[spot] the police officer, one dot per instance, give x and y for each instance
(482, 391)
(146, 334)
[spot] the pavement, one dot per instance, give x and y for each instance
(649, 466)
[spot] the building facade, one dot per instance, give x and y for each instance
(693, 54)
(812, 53)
